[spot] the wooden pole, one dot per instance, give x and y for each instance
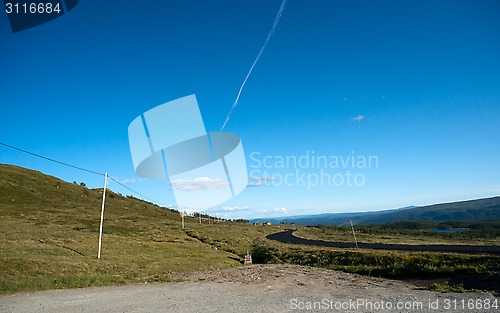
(354, 234)
(102, 215)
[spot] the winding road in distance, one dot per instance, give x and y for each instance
(288, 237)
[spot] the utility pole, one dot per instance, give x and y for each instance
(354, 234)
(102, 214)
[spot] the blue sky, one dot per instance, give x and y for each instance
(414, 84)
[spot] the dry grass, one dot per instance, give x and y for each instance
(49, 237)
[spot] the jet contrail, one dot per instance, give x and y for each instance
(276, 21)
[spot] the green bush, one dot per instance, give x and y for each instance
(263, 253)
(379, 263)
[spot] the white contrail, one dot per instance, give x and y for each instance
(276, 21)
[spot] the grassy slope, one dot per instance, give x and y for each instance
(49, 237)
(49, 233)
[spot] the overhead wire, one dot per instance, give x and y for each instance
(79, 168)
(52, 160)
(137, 193)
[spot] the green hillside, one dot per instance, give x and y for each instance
(49, 240)
(49, 236)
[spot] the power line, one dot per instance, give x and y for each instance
(119, 183)
(78, 168)
(52, 160)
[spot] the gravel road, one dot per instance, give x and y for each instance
(255, 288)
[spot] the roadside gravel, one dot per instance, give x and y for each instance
(254, 288)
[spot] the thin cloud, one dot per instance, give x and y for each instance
(260, 181)
(358, 118)
(235, 208)
(199, 184)
(132, 180)
(227, 210)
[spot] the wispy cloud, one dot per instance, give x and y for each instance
(358, 118)
(132, 180)
(280, 210)
(198, 184)
(227, 210)
(260, 181)
(234, 208)
(271, 32)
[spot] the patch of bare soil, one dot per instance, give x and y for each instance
(284, 275)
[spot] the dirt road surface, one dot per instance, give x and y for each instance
(255, 288)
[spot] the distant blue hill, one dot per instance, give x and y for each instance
(327, 218)
(471, 210)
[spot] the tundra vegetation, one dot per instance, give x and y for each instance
(49, 238)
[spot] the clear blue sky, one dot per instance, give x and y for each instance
(414, 83)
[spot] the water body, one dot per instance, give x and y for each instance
(453, 230)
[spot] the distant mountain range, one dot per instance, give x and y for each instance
(472, 210)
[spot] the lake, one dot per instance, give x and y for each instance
(453, 230)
